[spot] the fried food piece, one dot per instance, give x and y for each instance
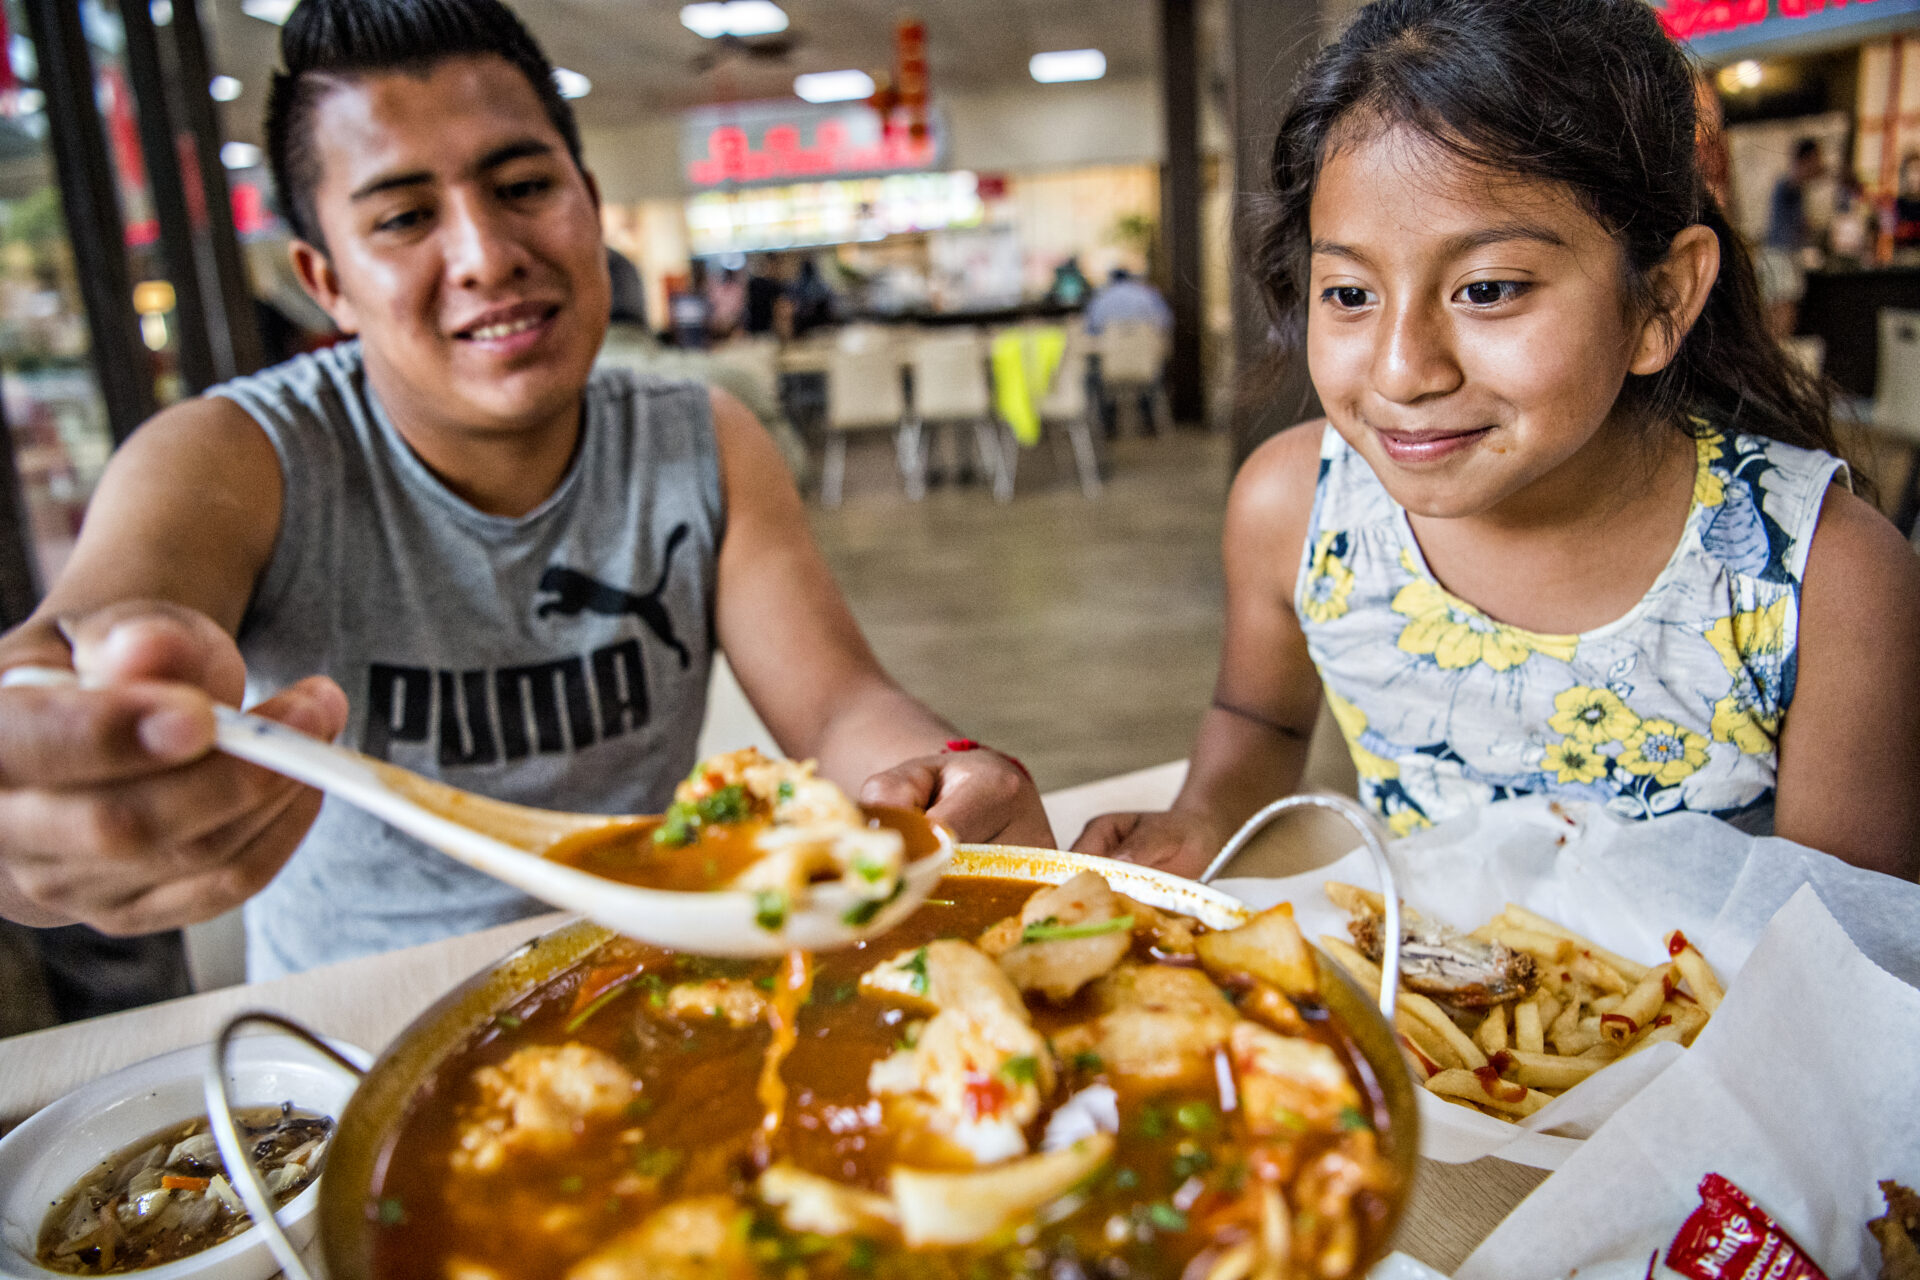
(701, 1238)
(1066, 936)
(1288, 1084)
(1442, 962)
(537, 1101)
(737, 1001)
(978, 1072)
(1158, 1026)
(809, 1202)
(1898, 1232)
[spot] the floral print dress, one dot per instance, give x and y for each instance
(1675, 706)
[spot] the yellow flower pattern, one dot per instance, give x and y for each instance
(1663, 750)
(1329, 582)
(1353, 722)
(1591, 715)
(1574, 761)
(1709, 490)
(1457, 635)
(1676, 705)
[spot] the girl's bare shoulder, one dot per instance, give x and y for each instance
(1272, 502)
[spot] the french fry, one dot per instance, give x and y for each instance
(1521, 918)
(1654, 1035)
(1435, 1019)
(1602, 1052)
(1551, 1070)
(1598, 974)
(1568, 1018)
(1605, 1004)
(1579, 1040)
(1504, 1095)
(1491, 1034)
(1527, 1034)
(1544, 946)
(1347, 896)
(1693, 969)
(1358, 967)
(1550, 1006)
(1687, 1016)
(1638, 1009)
(1430, 1045)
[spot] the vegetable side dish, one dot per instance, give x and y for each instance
(1020, 1081)
(167, 1196)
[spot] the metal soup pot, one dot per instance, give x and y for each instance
(348, 1225)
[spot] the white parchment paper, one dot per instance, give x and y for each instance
(1624, 885)
(1804, 1091)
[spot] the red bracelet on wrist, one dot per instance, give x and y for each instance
(957, 745)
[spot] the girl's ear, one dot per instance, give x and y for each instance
(1679, 286)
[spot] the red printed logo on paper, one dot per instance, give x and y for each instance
(1729, 1237)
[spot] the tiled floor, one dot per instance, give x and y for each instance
(1080, 635)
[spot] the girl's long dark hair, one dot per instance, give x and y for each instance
(1591, 95)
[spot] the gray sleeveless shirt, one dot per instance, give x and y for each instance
(558, 658)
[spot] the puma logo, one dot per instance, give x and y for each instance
(575, 593)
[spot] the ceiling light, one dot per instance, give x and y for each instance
(716, 18)
(571, 84)
(161, 11)
(274, 11)
(1741, 75)
(1068, 64)
(834, 86)
(239, 155)
(224, 88)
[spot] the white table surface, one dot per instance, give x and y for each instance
(369, 1001)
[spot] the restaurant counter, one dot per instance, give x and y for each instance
(369, 1001)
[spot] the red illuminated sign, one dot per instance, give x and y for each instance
(1687, 19)
(782, 155)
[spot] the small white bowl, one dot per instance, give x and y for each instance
(42, 1159)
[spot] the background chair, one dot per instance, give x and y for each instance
(1066, 405)
(864, 394)
(950, 386)
(1132, 359)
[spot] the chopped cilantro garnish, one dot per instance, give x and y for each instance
(1089, 1061)
(764, 982)
(917, 966)
(391, 1212)
(656, 988)
(1166, 1217)
(1352, 1118)
(869, 870)
(506, 1021)
(639, 1108)
(769, 909)
(1194, 1117)
(1024, 1069)
(656, 1162)
(1188, 1163)
(572, 1183)
(1288, 1118)
(864, 1255)
(1153, 1122)
(600, 1002)
(1125, 1179)
(728, 804)
(861, 912)
(1049, 931)
(841, 992)
(784, 792)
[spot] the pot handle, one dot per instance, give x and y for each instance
(1363, 822)
(233, 1152)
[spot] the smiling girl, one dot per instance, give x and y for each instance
(1572, 524)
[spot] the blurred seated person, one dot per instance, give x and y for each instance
(765, 289)
(1070, 284)
(1906, 205)
(1127, 299)
(689, 312)
(448, 541)
(1780, 264)
(726, 302)
(814, 303)
(629, 291)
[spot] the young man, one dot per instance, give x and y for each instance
(443, 541)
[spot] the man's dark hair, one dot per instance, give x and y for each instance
(326, 41)
(1806, 149)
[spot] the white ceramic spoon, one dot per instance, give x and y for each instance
(508, 841)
